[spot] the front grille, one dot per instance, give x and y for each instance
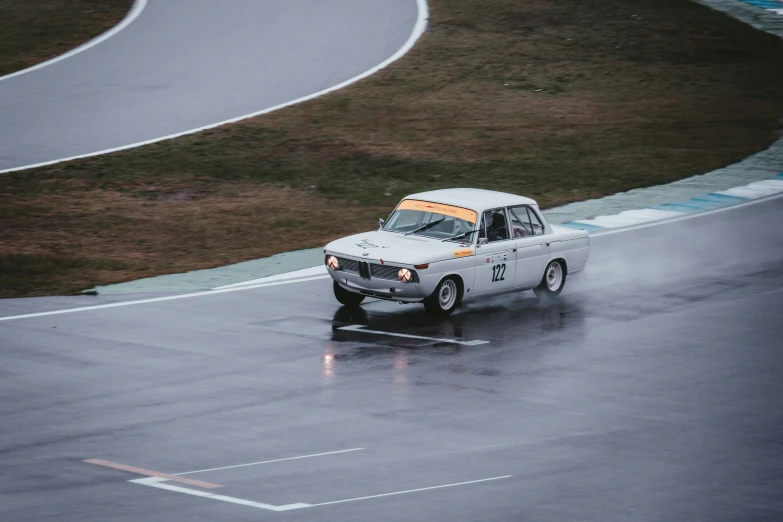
(385, 272)
(348, 265)
(389, 273)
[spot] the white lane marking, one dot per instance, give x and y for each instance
(410, 491)
(296, 274)
(156, 482)
(136, 9)
(361, 328)
(418, 29)
(686, 216)
(269, 461)
(157, 299)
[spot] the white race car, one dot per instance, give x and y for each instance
(444, 246)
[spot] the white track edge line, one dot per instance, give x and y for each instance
(135, 10)
(418, 30)
(269, 461)
(277, 277)
(156, 299)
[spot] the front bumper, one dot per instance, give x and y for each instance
(380, 288)
(375, 278)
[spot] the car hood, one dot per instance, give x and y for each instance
(397, 248)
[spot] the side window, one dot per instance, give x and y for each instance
(494, 226)
(538, 227)
(524, 222)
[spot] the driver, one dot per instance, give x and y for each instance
(497, 230)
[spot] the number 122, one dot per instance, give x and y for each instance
(498, 272)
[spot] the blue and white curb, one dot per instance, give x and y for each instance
(770, 5)
(723, 198)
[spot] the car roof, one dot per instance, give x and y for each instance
(474, 199)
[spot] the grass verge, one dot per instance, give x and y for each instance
(555, 99)
(32, 32)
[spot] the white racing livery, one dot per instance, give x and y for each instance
(442, 247)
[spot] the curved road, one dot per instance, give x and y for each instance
(650, 391)
(186, 64)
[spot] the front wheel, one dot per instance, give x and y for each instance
(444, 299)
(553, 281)
(346, 297)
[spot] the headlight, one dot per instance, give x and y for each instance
(405, 275)
(332, 262)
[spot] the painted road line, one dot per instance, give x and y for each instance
(361, 328)
(418, 30)
(159, 483)
(411, 491)
(297, 274)
(269, 461)
(157, 299)
(150, 473)
(136, 9)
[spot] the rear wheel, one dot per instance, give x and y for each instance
(346, 297)
(444, 299)
(553, 281)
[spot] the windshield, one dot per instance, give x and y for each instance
(413, 216)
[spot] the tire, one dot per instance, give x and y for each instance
(444, 299)
(346, 297)
(553, 281)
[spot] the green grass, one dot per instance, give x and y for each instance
(554, 99)
(33, 31)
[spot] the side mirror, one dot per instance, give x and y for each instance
(381, 222)
(483, 241)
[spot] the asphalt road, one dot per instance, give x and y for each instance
(213, 60)
(652, 390)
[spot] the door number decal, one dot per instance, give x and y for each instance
(498, 272)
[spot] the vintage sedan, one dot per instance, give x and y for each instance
(444, 246)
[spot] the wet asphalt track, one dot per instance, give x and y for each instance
(652, 390)
(213, 60)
